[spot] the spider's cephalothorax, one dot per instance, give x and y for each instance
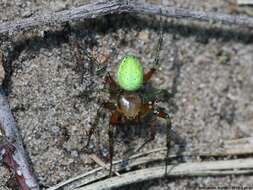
(129, 104)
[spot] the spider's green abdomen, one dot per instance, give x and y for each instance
(130, 73)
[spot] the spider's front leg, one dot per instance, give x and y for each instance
(110, 81)
(94, 126)
(106, 105)
(112, 85)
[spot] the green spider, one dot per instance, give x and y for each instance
(130, 102)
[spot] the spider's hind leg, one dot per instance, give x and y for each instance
(167, 117)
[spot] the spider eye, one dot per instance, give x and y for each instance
(130, 73)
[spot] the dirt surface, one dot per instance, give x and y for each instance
(54, 100)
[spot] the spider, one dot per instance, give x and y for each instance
(131, 102)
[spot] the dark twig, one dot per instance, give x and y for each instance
(11, 148)
(97, 9)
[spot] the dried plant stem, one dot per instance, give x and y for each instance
(235, 147)
(100, 173)
(226, 167)
(245, 2)
(11, 148)
(232, 147)
(97, 9)
(101, 163)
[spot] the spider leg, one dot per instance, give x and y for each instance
(151, 137)
(93, 61)
(146, 109)
(158, 48)
(95, 68)
(107, 105)
(110, 81)
(167, 117)
(94, 126)
(149, 108)
(159, 43)
(114, 120)
(79, 59)
(149, 74)
(111, 148)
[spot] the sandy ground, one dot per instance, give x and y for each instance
(213, 76)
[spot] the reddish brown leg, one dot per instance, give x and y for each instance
(149, 74)
(115, 119)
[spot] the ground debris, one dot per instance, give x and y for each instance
(2, 72)
(245, 2)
